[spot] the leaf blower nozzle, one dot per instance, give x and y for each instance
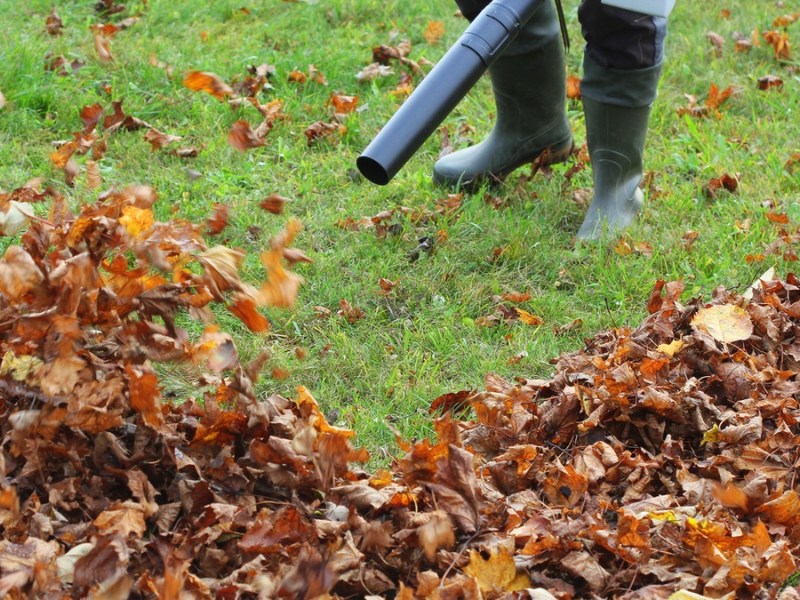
(448, 82)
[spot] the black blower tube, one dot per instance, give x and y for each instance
(443, 88)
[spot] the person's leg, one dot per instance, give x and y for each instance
(621, 68)
(529, 85)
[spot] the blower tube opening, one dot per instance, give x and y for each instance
(372, 170)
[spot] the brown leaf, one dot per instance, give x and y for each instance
(93, 177)
(274, 203)
(53, 22)
(717, 42)
(727, 182)
(768, 82)
(158, 140)
(102, 46)
(779, 40)
(91, 115)
(218, 221)
(350, 313)
(19, 274)
(321, 130)
(243, 138)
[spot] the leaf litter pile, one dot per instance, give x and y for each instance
(657, 462)
(657, 459)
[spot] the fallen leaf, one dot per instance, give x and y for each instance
(724, 322)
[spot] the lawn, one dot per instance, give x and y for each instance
(424, 298)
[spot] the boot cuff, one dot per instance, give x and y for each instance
(630, 88)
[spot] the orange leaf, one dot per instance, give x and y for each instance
(210, 83)
(245, 308)
(342, 104)
(145, 394)
(573, 87)
(136, 220)
(433, 32)
(529, 318)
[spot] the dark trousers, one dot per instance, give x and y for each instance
(615, 38)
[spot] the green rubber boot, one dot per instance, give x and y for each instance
(529, 85)
(616, 105)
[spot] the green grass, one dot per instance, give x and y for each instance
(424, 338)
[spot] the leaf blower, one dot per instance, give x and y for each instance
(454, 75)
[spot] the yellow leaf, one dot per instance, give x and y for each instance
(136, 220)
(711, 436)
(498, 572)
(19, 367)
(724, 322)
(663, 515)
(529, 318)
(672, 348)
(684, 595)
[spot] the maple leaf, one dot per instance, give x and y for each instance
(725, 323)
(120, 120)
(497, 572)
(210, 83)
(137, 221)
(342, 104)
(123, 518)
(349, 312)
(779, 40)
(282, 286)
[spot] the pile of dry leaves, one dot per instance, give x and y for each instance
(656, 459)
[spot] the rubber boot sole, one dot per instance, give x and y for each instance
(551, 155)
